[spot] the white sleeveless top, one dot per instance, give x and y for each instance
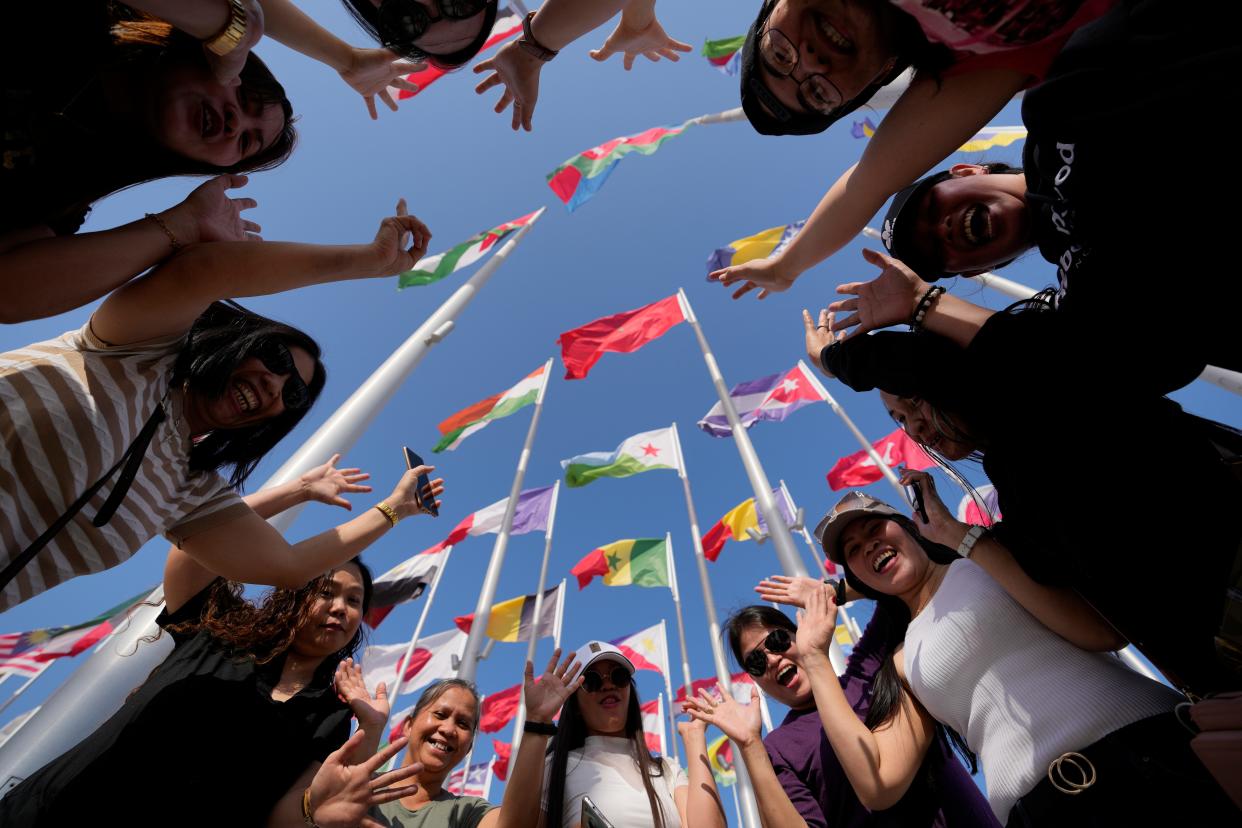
(604, 770)
(1018, 693)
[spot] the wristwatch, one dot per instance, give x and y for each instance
(229, 38)
(968, 543)
(532, 47)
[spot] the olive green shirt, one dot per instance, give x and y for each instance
(445, 811)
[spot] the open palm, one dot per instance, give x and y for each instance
(545, 697)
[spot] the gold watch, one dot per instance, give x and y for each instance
(231, 36)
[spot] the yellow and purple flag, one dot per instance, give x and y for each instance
(772, 398)
(762, 245)
(513, 620)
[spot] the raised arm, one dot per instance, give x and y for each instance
(879, 764)
(1060, 609)
(698, 803)
(167, 300)
(928, 122)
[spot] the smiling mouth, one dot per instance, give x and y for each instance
(784, 677)
(210, 121)
(246, 397)
(977, 224)
(883, 559)
(440, 746)
(833, 35)
(611, 700)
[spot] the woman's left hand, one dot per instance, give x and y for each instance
(227, 68)
(942, 526)
(371, 71)
(371, 713)
(816, 623)
(650, 41)
(889, 299)
(740, 722)
(819, 336)
(518, 72)
(545, 697)
(326, 483)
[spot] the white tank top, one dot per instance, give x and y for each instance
(1018, 693)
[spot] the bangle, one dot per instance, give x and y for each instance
(539, 728)
(388, 512)
(176, 245)
(532, 47)
(968, 542)
(924, 305)
(306, 809)
(231, 35)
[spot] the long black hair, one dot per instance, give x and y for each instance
(571, 734)
(367, 15)
(224, 336)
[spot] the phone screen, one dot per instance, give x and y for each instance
(412, 460)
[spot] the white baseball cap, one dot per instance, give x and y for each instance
(593, 651)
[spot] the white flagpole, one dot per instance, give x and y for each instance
(750, 809)
(737, 803)
(22, 687)
(665, 743)
(725, 117)
(761, 698)
(560, 615)
(487, 780)
(1228, 380)
(465, 777)
(835, 655)
(668, 687)
(681, 624)
(520, 719)
(99, 687)
(483, 607)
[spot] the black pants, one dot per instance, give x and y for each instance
(1145, 774)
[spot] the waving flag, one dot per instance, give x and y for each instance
(987, 138)
(648, 451)
(500, 763)
(28, 653)
(720, 757)
(500, 708)
(863, 128)
(577, 180)
(653, 724)
(769, 398)
(743, 689)
(513, 620)
(621, 333)
(470, 781)
(531, 515)
(983, 514)
(642, 562)
(859, 469)
(476, 417)
(508, 23)
(763, 245)
(725, 54)
(431, 660)
(434, 268)
(646, 649)
(404, 582)
(738, 522)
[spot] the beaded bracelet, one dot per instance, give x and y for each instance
(176, 245)
(924, 305)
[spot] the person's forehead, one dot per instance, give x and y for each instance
(857, 527)
(753, 635)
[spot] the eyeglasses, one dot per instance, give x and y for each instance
(593, 681)
(277, 359)
(410, 20)
(756, 661)
(781, 57)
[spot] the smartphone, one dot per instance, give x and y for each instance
(412, 460)
(592, 817)
(917, 499)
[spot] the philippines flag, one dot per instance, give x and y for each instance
(647, 649)
(769, 398)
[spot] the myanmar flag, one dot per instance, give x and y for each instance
(642, 452)
(620, 333)
(641, 562)
(476, 417)
(434, 268)
(577, 180)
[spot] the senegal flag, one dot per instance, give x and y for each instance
(475, 417)
(640, 453)
(640, 562)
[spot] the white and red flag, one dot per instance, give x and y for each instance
(508, 23)
(859, 469)
(773, 397)
(984, 511)
(431, 660)
(28, 653)
(653, 725)
(531, 515)
(648, 649)
(404, 582)
(471, 781)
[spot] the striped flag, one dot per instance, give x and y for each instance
(646, 649)
(508, 23)
(470, 781)
(725, 54)
(513, 620)
(641, 562)
(738, 521)
(476, 417)
(434, 268)
(990, 137)
(28, 653)
(653, 725)
(578, 179)
(404, 582)
(648, 451)
(431, 660)
(621, 333)
(762, 245)
(531, 515)
(770, 398)
(743, 689)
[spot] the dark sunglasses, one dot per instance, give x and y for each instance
(756, 661)
(593, 681)
(409, 20)
(277, 359)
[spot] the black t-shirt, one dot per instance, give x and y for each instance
(201, 742)
(1123, 498)
(1127, 203)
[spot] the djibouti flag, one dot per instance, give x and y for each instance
(641, 562)
(642, 452)
(434, 268)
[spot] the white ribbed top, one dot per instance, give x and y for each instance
(1018, 693)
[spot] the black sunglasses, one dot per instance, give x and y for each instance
(407, 20)
(277, 359)
(593, 681)
(756, 661)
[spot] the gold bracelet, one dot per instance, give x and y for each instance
(231, 36)
(306, 809)
(176, 245)
(388, 512)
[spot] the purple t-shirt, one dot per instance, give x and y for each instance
(817, 786)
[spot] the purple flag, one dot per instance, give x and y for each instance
(768, 398)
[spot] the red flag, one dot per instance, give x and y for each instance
(500, 766)
(620, 333)
(714, 540)
(500, 708)
(859, 469)
(590, 566)
(709, 684)
(507, 23)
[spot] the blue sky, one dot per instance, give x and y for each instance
(647, 232)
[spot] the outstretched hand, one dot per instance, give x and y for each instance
(326, 483)
(371, 712)
(403, 498)
(650, 41)
(816, 623)
(819, 335)
(208, 214)
(740, 722)
(788, 590)
(341, 794)
(766, 275)
(389, 251)
(518, 72)
(371, 72)
(889, 299)
(545, 697)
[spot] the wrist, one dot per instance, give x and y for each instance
(181, 223)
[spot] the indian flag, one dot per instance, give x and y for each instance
(473, 418)
(642, 452)
(434, 268)
(639, 562)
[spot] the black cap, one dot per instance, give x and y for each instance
(897, 233)
(768, 115)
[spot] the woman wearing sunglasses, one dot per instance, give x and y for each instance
(599, 751)
(148, 419)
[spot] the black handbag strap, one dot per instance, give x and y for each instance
(131, 460)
